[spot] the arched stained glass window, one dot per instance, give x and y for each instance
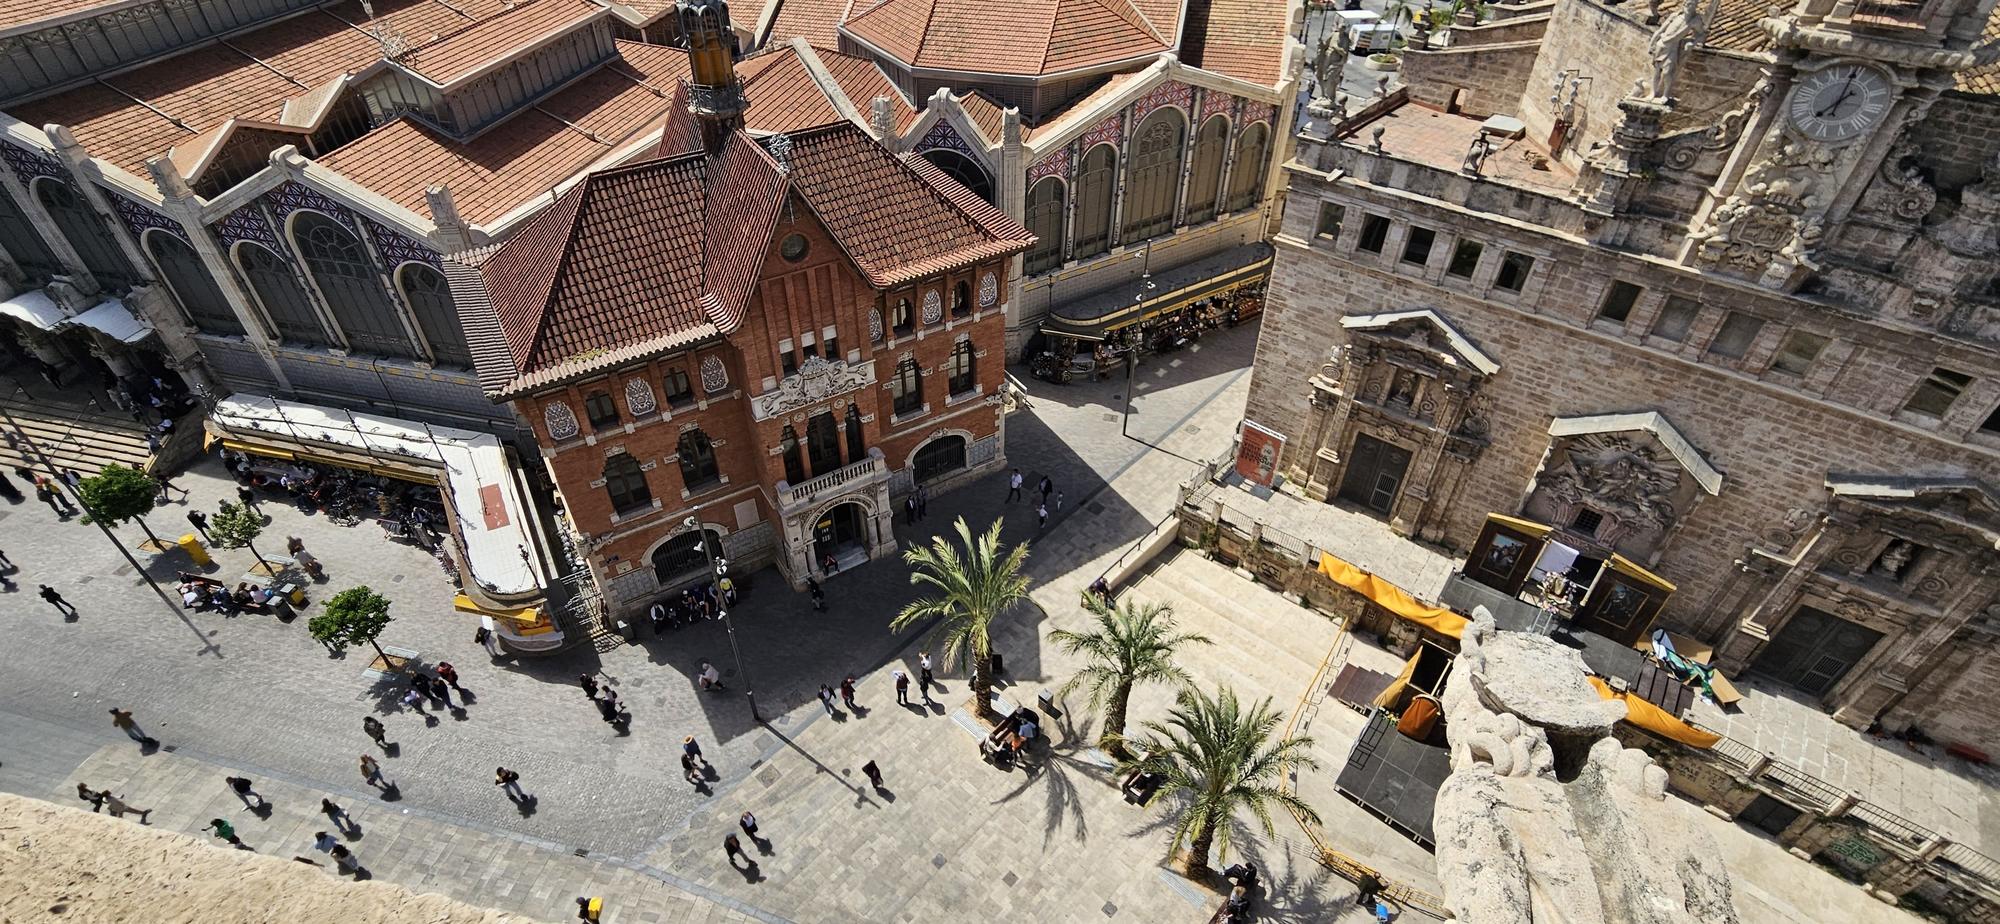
(191, 284)
(1211, 148)
(1093, 201)
(353, 289)
(1153, 175)
(284, 300)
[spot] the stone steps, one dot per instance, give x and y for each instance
(1269, 626)
(83, 439)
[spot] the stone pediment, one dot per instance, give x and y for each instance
(1439, 338)
(1963, 502)
(1653, 422)
(817, 380)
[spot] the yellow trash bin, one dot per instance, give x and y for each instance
(192, 546)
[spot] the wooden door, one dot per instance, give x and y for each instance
(1375, 471)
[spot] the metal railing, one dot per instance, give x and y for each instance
(805, 491)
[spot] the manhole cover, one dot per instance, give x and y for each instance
(83, 579)
(1094, 507)
(769, 776)
(1010, 878)
(1109, 417)
(583, 851)
(1110, 909)
(398, 579)
(122, 570)
(938, 861)
(1191, 429)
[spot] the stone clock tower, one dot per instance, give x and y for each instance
(1850, 77)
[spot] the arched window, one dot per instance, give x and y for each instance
(25, 244)
(1153, 175)
(1093, 201)
(857, 447)
(940, 456)
(682, 556)
(905, 319)
(823, 443)
(963, 169)
(626, 484)
(697, 456)
(87, 234)
(961, 299)
(1211, 148)
(430, 300)
(353, 290)
(191, 284)
(1045, 219)
(908, 388)
(795, 470)
(1246, 173)
(959, 369)
(278, 290)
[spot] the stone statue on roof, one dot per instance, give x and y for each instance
(1683, 29)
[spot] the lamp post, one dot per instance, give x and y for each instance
(1132, 351)
(720, 568)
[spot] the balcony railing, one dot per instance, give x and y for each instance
(805, 492)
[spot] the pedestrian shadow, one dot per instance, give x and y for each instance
(764, 846)
(751, 874)
(392, 750)
(837, 715)
(1297, 898)
(263, 811)
(392, 793)
(859, 712)
(458, 714)
(527, 805)
(884, 793)
(467, 696)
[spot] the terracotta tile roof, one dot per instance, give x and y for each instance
(463, 53)
(1039, 36)
(1245, 39)
(812, 20)
(665, 253)
(983, 112)
(1985, 79)
(783, 95)
(528, 154)
(862, 81)
(1736, 28)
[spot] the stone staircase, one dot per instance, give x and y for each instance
(1263, 641)
(81, 438)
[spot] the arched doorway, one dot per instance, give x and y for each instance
(938, 458)
(840, 532)
(963, 169)
(681, 557)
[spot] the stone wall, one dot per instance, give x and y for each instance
(1607, 45)
(1958, 138)
(1479, 81)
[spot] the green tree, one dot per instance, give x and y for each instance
(235, 526)
(117, 494)
(354, 615)
(1220, 758)
(972, 587)
(1131, 645)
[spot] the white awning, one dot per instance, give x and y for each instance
(111, 318)
(35, 307)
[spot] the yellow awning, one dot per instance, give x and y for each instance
(528, 616)
(1390, 597)
(256, 450)
(1625, 566)
(1530, 527)
(1659, 721)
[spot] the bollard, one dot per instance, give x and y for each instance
(192, 546)
(1048, 703)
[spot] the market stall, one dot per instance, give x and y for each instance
(1161, 313)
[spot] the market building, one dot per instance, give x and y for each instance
(1674, 315)
(754, 342)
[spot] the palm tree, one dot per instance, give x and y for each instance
(973, 587)
(1221, 759)
(1133, 644)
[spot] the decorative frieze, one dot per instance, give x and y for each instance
(1171, 93)
(817, 380)
(1056, 163)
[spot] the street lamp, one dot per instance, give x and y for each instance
(720, 568)
(1146, 288)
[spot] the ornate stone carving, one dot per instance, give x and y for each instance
(874, 326)
(817, 380)
(560, 419)
(714, 377)
(1904, 192)
(1624, 479)
(639, 397)
(1684, 28)
(989, 290)
(1688, 149)
(933, 306)
(1765, 226)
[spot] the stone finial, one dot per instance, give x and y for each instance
(168, 178)
(881, 117)
(1375, 146)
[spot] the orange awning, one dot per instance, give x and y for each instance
(1390, 597)
(1656, 720)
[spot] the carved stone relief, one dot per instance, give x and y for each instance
(560, 419)
(817, 380)
(1637, 487)
(639, 397)
(1766, 227)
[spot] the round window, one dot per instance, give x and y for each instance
(793, 247)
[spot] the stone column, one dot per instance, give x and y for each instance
(1773, 609)
(179, 203)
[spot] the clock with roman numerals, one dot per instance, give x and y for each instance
(1840, 102)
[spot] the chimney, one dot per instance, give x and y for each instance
(714, 96)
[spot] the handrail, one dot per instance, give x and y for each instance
(1144, 538)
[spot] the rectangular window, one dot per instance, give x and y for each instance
(1327, 228)
(1797, 353)
(1417, 247)
(1676, 318)
(1464, 258)
(1939, 390)
(788, 362)
(1587, 521)
(603, 412)
(1991, 426)
(1514, 270)
(1374, 230)
(1738, 331)
(832, 345)
(1618, 302)
(678, 390)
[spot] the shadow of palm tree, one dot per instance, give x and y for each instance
(1058, 771)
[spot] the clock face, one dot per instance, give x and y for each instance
(1839, 103)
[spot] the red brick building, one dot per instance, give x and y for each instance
(774, 336)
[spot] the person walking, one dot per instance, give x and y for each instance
(510, 783)
(7, 488)
(57, 502)
(902, 687)
(324, 842)
(924, 676)
(733, 847)
(56, 600)
(826, 698)
(692, 749)
(334, 813)
(200, 522)
(1042, 516)
(6, 562)
(1046, 487)
(247, 497)
(166, 484)
(449, 675)
(484, 638)
(240, 785)
(371, 772)
(711, 679)
(1366, 888)
(119, 808)
(847, 692)
(589, 685)
(910, 509)
(344, 860)
(414, 699)
(690, 772)
(225, 831)
(96, 799)
(440, 691)
(923, 502)
(873, 773)
(748, 823)
(1014, 486)
(818, 595)
(71, 478)
(1059, 499)
(373, 726)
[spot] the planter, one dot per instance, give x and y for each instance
(1382, 62)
